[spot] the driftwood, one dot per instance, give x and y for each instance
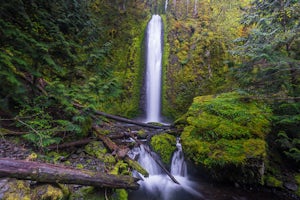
(159, 163)
(120, 152)
(50, 173)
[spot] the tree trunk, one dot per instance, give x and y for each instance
(50, 173)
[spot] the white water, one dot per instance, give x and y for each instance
(159, 186)
(153, 71)
(166, 5)
(178, 165)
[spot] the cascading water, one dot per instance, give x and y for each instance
(153, 69)
(159, 186)
(166, 5)
(178, 165)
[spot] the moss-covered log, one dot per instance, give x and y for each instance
(49, 173)
(121, 152)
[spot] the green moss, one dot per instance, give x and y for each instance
(120, 168)
(272, 181)
(109, 159)
(96, 149)
(79, 166)
(17, 189)
(219, 132)
(120, 194)
(47, 191)
(164, 145)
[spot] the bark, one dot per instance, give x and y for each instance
(122, 119)
(4, 131)
(121, 152)
(49, 173)
(70, 144)
(157, 161)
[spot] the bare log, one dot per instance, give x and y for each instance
(129, 121)
(49, 173)
(122, 119)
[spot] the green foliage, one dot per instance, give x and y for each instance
(271, 181)
(199, 35)
(225, 131)
(164, 145)
(270, 50)
(120, 194)
(286, 127)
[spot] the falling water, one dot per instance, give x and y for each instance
(154, 65)
(178, 165)
(159, 186)
(166, 5)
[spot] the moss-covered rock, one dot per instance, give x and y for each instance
(13, 189)
(272, 181)
(44, 192)
(96, 149)
(227, 132)
(164, 145)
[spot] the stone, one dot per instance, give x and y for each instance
(291, 186)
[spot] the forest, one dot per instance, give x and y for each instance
(230, 88)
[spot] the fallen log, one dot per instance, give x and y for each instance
(121, 152)
(129, 121)
(49, 173)
(70, 144)
(122, 119)
(159, 163)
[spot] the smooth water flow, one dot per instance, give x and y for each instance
(178, 165)
(153, 71)
(159, 186)
(166, 5)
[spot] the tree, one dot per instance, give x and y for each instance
(271, 50)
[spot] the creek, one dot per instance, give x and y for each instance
(159, 186)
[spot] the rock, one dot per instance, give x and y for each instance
(291, 186)
(43, 192)
(14, 189)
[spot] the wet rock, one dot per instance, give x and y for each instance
(291, 186)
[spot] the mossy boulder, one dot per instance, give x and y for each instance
(164, 145)
(46, 191)
(12, 189)
(226, 136)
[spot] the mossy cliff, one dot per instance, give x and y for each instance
(225, 135)
(199, 37)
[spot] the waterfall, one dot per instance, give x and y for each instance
(178, 165)
(153, 69)
(166, 5)
(159, 186)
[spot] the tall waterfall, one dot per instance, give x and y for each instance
(153, 72)
(166, 5)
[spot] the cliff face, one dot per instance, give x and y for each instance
(199, 37)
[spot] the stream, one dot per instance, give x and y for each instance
(159, 186)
